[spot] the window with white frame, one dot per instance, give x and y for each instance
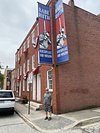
(28, 65)
(28, 41)
(20, 70)
(24, 68)
(18, 73)
(24, 45)
(21, 50)
(35, 34)
(33, 38)
(49, 80)
(18, 55)
(27, 85)
(23, 85)
(33, 61)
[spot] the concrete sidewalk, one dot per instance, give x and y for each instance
(59, 122)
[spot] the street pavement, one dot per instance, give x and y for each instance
(66, 123)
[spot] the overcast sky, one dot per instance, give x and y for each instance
(17, 18)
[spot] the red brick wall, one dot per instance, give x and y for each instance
(79, 79)
(42, 70)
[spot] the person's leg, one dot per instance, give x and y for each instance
(46, 115)
(46, 112)
(49, 111)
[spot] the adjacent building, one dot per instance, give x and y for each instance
(74, 80)
(13, 80)
(7, 78)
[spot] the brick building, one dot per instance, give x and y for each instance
(7, 78)
(74, 84)
(13, 79)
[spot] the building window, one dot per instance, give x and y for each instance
(18, 56)
(21, 51)
(27, 85)
(28, 41)
(33, 61)
(28, 65)
(24, 45)
(20, 70)
(49, 80)
(33, 38)
(17, 73)
(35, 34)
(24, 68)
(23, 85)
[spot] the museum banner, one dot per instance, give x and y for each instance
(45, 44)
(61, 37)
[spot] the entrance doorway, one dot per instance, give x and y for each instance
(37, 88)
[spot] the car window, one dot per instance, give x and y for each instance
(6, 95)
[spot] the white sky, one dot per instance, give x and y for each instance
(17, 18)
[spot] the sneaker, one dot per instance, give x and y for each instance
(46, 118)
(49, 118)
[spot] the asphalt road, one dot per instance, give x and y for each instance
(14, 124)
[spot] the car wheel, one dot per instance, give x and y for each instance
(12, 112)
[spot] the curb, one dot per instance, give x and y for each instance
(88, 121)
(26, 120)
(32, 125)
(80, 123)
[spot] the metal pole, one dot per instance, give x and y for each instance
(29, 98)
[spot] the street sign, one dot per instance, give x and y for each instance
(30, 77)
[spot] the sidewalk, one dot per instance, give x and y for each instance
(64, 121)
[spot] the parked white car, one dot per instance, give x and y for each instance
(7, 101)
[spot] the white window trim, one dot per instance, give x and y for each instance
(33, 57)
(36, 28)
(23, 85)
(20, 70)
(21, 50)
(17, 73)
(28, 65)
(24, 46)
(24, 68)
(28, 41)
(51, 90)
(18, 56)
(27, 85)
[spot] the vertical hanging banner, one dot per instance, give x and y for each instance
(45, 46)
(61, 38)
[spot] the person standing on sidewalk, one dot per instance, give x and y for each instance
(47, 104)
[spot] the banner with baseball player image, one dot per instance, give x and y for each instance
(45, 46)
(61, 37)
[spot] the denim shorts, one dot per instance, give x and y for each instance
(47, 108)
